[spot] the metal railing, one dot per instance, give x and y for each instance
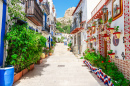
(99, 5)
(46, 7)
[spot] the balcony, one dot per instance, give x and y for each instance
(46, 7)
(99, 7)
(34, 12)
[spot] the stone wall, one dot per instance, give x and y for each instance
(123, 66)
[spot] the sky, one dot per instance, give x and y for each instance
(62, 5)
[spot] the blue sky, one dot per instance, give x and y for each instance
(62, 5)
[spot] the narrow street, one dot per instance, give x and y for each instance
(60, 69)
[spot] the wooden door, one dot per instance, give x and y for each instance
(105, 48)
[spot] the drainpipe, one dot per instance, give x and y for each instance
(3, 34)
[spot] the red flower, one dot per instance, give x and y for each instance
(102, 61)
(109, 61)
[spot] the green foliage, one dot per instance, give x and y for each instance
(101, 21)
(116, 28)
(107, 67)
(110, 52)
(110, 20)
(69, 45)
(46, 51)
(25, 47)
(15, 11)
(62, 38)
(82, 58)
(50, 50)
(58, 24)
(54, 39)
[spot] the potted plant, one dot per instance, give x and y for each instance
(46, 52)
(107, 37)
(93, 50)
(69, 45)
(87, 41)
(109, 25)
(117, 33)
(94, 38)
(50, 52)
(111, 54)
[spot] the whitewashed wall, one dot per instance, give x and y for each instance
(1, 11)
(118, 22)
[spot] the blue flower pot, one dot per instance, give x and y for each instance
(6, 76)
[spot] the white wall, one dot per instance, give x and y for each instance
(1, 11)
(118, 22)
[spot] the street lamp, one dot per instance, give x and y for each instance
(104, 9)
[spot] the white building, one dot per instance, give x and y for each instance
(78, 27)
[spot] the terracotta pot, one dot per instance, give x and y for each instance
(31, 67)
(69, 48)
(40, 61)
(24, 71)
(50, 54)
(17, 76)
(46, 55)
(47, 48)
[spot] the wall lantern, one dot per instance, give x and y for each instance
(104, 9)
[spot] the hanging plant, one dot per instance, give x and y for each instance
(117, 33)
(109, 25)
(111, 54)
(106, 37)
(86, 41)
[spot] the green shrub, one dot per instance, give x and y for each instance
(107, 67)
(69, 45)
(25, 47)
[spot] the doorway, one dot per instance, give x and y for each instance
(79, 43)
(105, 48)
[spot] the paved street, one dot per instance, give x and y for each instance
(60, 69)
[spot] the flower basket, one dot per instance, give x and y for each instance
(111, 30)
(106, 37)
(117, 35)
(112, 55)
(94, 39)
(93, 27)
(91, 40)
(86, 41)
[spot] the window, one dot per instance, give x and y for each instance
(117, 9)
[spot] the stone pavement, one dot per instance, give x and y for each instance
(60, 69)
